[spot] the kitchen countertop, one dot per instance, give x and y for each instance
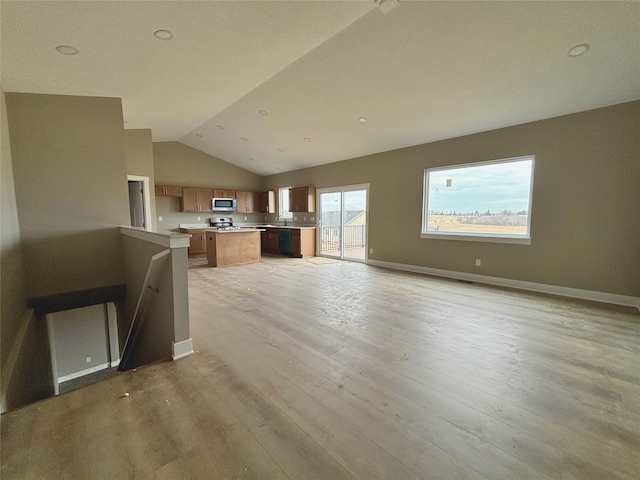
(261, 227)
(240, 230)
(290, 227)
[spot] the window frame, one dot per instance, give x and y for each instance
(477, 237)
(285, 215)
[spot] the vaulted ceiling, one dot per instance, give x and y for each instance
(274, 86)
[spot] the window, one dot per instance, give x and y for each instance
(487, 202)
(283, 203)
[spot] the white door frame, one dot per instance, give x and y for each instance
(342, 189)
(146, 193)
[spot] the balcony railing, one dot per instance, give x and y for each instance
(354, 236)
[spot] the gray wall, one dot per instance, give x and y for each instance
(31, 377)
(178, 164)
(138, 150)
(164, 310)
(71, 189)
(585, 228)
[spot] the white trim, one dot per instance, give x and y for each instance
(594, 296)
(52, 353)
(477, 237)
(12, 359)
(112, 324)
(289, 214)
(146, 193)
(342, 190)
(167, 239)
(470, 237)
(182, 349)
(82, 373)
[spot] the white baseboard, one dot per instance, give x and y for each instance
(603, 297)
(82, 373)
(115, 363)
(182, 349)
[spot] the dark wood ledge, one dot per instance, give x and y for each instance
(80, 298)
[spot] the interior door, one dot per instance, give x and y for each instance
(343, 222)
(136, 204)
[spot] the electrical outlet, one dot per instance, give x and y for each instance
(245, 217)
(160, 218)
(371, 250)
(478, 262)
(198, 218)
(265, 217)
(295, 219)
(313, 219)
(305, 218)
(88, 359)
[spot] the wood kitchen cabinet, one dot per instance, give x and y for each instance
(302, 199)
(270, 240)
(247, 202)
(236, 247)
(168, 191)
(198, 240)
(196, 199)
(217, 193)
(267, 202)
(303, 242)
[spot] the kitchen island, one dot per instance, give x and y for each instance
(233, 247)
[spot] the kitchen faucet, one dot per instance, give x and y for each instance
(284, 218)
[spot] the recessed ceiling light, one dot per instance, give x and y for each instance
(163, 34)
(280, 150)
(252, 159)
(244, 139)
(220, 127)
(264, 113)
(67, 50)
(198, 135)
(578, 50)
(307, 140)
(362, 120)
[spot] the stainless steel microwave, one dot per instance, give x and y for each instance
(223, 205)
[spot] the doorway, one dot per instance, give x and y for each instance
(139, 201)
(342, 222)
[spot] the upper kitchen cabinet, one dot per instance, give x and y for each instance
(196, 199)
(224, 194)
(268, 202)
(302, 199)
(168, 191)
(247, 202)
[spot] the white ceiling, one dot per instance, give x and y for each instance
(422, 72)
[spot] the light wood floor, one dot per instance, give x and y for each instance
(329, 370)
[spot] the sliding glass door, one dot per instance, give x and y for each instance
(343, 222)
